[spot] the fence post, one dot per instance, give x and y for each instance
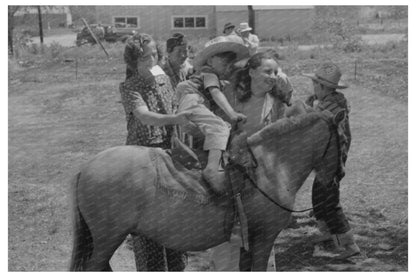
(94, 37)
(76, 66)
(355, 70)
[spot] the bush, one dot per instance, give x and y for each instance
(350, 45)
(21, 43)
(55, 50)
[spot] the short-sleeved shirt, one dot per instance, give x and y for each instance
(158, 95)
(200, 83)
(253, 45)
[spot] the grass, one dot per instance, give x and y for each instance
(58, 120)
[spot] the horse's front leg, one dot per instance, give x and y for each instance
(261, 248)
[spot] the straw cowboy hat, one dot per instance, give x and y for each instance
(328, 74)
(244, 27)
(228, 25)
(221, 44)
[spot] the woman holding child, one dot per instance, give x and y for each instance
(262, 92)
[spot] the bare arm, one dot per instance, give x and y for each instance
(223, 103)
(156, 119)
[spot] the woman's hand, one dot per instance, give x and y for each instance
(182, 118)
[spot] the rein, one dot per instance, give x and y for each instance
(245, 173)
(243, 170)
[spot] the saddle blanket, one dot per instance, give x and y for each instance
(177, 181)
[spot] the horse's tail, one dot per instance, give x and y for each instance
(82, 239)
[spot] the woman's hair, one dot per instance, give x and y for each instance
(177, 39)
(134, 47)
(242, 79)
(134, 50)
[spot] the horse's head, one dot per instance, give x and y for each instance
(289, 149)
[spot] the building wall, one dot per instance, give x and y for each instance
(235, 17)
(270, 23)
(280, 23)
(157, 20)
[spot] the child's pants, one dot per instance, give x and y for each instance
(215, 130)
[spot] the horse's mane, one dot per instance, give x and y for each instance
(284, 126)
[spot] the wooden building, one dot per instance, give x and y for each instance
(207, 21)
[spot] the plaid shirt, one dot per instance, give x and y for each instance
(335, 103)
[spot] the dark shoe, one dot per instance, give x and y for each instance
(346, 245)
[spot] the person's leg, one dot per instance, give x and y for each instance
(216, 132)
(338, 224)
(319, 197)
(330, 217)
(211, 173)
(176, 260)
(226, 256)
(336, 220)
(149, 255)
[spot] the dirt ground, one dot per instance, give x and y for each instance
(57, 122)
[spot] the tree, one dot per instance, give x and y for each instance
(11, 12)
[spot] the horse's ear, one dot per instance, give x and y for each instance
(339, 117)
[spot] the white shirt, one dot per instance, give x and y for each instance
(252, 42)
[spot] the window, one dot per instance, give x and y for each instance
(189, 22)
(126, 22)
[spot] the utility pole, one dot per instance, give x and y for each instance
(251, 18)
(11, 11)
(40, 25)
(215, 20)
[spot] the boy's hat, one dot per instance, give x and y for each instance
(328, 74)
(221, 44)
(228, 25)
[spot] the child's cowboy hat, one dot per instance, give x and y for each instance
(328, 74)
(221, 44)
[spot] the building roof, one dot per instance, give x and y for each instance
(44, 9)
(277, 7)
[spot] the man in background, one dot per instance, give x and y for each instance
(251, 41)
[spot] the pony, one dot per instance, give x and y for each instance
(120, 192)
